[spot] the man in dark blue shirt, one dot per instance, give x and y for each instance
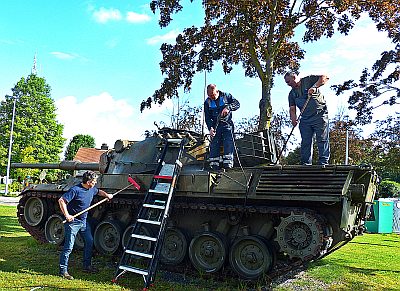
(77, 199)
(218, 109)
(314, 118)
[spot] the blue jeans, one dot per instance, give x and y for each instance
(319, 127)
(224, 137)
(71, 230)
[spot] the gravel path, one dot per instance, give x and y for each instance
(9, 201)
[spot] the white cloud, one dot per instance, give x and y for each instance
(104, 15)
(63, 56)
(106, 118)
(134, 17)
(168, 37)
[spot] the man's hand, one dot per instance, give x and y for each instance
(110, 196)
(312, 90)
(212, 132)
(294, 121)
(225, 112)
(69, 218)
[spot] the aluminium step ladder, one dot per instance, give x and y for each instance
(157, 200)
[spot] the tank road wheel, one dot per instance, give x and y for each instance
(35, 211)
(141, 246)
(54, 229)
(174, 248)
(300, 236)
(250, 257)
(107, 237)
(207, 252)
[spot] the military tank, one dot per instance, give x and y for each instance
(257, 218)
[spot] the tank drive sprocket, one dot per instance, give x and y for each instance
(300, 236)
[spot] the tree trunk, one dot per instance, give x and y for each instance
(265, 105)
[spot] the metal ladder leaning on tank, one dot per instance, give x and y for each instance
(162, 185)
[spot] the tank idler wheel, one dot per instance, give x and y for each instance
(250, 257)
(54, 229)
(107, 237)
(174, 247)
(141, 246)
(300, 236)
(35, 211)
(207, 252)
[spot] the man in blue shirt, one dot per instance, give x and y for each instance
(77, 199)
(218, 109)
(314, 119)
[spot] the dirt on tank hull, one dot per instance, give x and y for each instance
(255, 218)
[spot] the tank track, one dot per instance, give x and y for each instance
(281, 267)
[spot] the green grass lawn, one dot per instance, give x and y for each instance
(369, 262)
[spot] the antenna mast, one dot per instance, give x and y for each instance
(34, 69)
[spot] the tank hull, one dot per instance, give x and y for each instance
(251, 221)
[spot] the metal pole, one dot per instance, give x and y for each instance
(10, 146)
(346, 159)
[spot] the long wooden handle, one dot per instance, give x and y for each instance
(98, 203)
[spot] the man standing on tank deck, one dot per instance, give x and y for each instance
(77, 199)
(314, 119)
(218, 109)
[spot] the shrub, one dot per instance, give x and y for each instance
(389, 189)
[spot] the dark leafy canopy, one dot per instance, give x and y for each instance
(386, 149)
(378, 86)
(78, 141)
(36, 127)
(257, 34)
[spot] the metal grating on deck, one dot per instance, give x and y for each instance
(302, 182)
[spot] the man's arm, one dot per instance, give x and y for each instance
(322, 80)
(207, 118)
(293, 117)
(105, 194)
(233, 105)
(63, 207)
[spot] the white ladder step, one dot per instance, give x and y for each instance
(134, 270)
(154, 206)
(144, 237)
(139, 254)
(162, 188)
(174, 140)
(149, 221)
(167, 170)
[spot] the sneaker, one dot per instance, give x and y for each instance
(91, 270)
(67, 276)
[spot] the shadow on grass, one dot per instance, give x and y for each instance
(375, 244)
(344, 264)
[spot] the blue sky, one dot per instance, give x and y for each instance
(101, 59)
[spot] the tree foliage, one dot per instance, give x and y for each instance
(359, 148)
(35, 123)
(389, 188)
(379, 85)
(187, 117)
(78, 141)
(386, 147)
(257, 34)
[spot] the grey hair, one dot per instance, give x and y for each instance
(88, 176)
(290, 74)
